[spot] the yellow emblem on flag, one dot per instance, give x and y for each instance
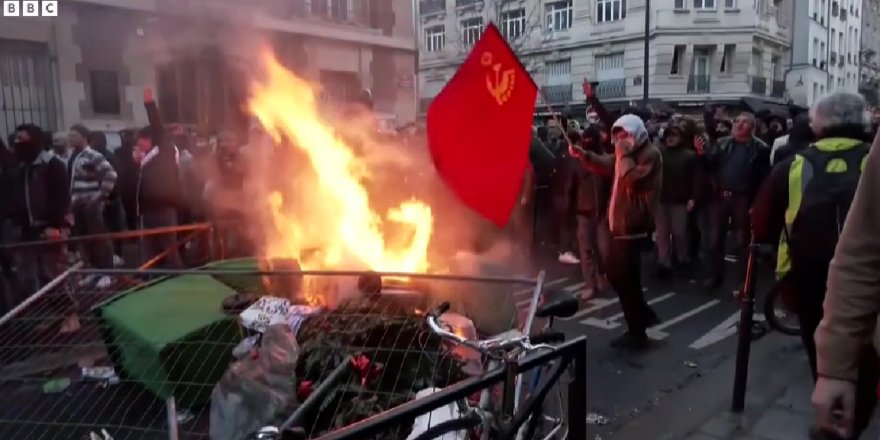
(499, 82)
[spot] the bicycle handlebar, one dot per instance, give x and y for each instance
(493, 345)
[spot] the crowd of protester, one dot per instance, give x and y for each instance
(695, 189)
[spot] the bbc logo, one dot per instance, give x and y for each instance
(30, 8)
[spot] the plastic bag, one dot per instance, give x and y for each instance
(256, 391)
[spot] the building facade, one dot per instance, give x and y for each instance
(826, 49)
(700, 51)
(869, 74)
(90, 63)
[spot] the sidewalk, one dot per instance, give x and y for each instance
(786, 416)
(777, 401)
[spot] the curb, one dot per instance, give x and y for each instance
(688, 409)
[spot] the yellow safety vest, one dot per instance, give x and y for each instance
(799, 174)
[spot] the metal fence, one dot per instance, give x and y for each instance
(142, 359)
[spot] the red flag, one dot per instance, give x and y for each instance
(480, 128)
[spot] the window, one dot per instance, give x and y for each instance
(105, 92)
(815, 51)
(775, 71)
(702, 62)
(833, 39)
(471, 29)
(729, 4)
(679, 4)
(677, 57)
(559, 15)
(727, 58)
(558, 72)
(610, 10)
(835, 9)
(338, 9)
(513, 24)
(839, 41)
(704, 4)
(758, 63)
(435, 38)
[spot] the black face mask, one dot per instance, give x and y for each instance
(26, 150)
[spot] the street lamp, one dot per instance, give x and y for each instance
(646, 81)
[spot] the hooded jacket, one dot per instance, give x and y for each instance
(637, 172)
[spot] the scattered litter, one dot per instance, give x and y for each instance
(690, 364)
(244, 347)
(106, 435)
(184, 416)
(57, 385)
(596, 419)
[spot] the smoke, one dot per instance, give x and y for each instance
(392, 170)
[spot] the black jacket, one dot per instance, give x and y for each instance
(159, 177)
(42, 193)
(758, 164)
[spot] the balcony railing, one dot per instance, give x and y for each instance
(698, 84)
(558, 94)
(778, 89)
(427, 7)
(612, 88)
(464, 3)
(759, 85)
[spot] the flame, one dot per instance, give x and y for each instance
(334, 223)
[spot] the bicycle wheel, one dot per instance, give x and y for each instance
(467, 424)
(777, 315)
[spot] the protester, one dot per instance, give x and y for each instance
(739, 164)
(637, 168)
(158, 194)
(807, 198)
(846, 368)
(676, 200)
(798, 139)
(592, 227)
(40, 208)
(61, 147)
(92, 180)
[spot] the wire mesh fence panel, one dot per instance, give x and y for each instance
(230, 346)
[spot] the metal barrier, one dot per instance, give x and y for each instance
(163, 340)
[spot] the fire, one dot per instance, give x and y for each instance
(333, 223)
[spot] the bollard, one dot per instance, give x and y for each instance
(744, 333)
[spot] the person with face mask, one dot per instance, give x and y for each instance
(738, 164)
(158, 186)
(676, 200)
(636, 168)
(41, 207)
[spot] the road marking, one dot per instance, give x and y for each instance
(612, 322)
(574, 287)
(656, 332)
(721, 332)
(595, 304)
(528, 292)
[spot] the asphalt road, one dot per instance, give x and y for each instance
(697, 334)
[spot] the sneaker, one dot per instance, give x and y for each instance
(88, 281)
(630, 341)
(104, 282)
(569, 258)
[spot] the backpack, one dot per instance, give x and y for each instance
(829, 182)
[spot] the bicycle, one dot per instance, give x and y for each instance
(779, 316)
(509, 422)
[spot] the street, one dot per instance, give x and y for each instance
(697, 333)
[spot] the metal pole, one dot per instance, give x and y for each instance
(646, 72)
(577, 393)
(744, 335)
(171, 412)
(417, 38)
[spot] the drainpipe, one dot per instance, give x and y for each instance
(416, 40)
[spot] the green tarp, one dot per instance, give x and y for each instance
(172, 336)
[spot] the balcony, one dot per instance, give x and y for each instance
(759, 85)
(467, 3)
(778, 89)
(428, 7)
(558, 94)
(613, 88)
(698, 84)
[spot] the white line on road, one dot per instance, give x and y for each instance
(656, 332)
(612, 322)
(595, 304)
(721, 332)
(575, 287)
